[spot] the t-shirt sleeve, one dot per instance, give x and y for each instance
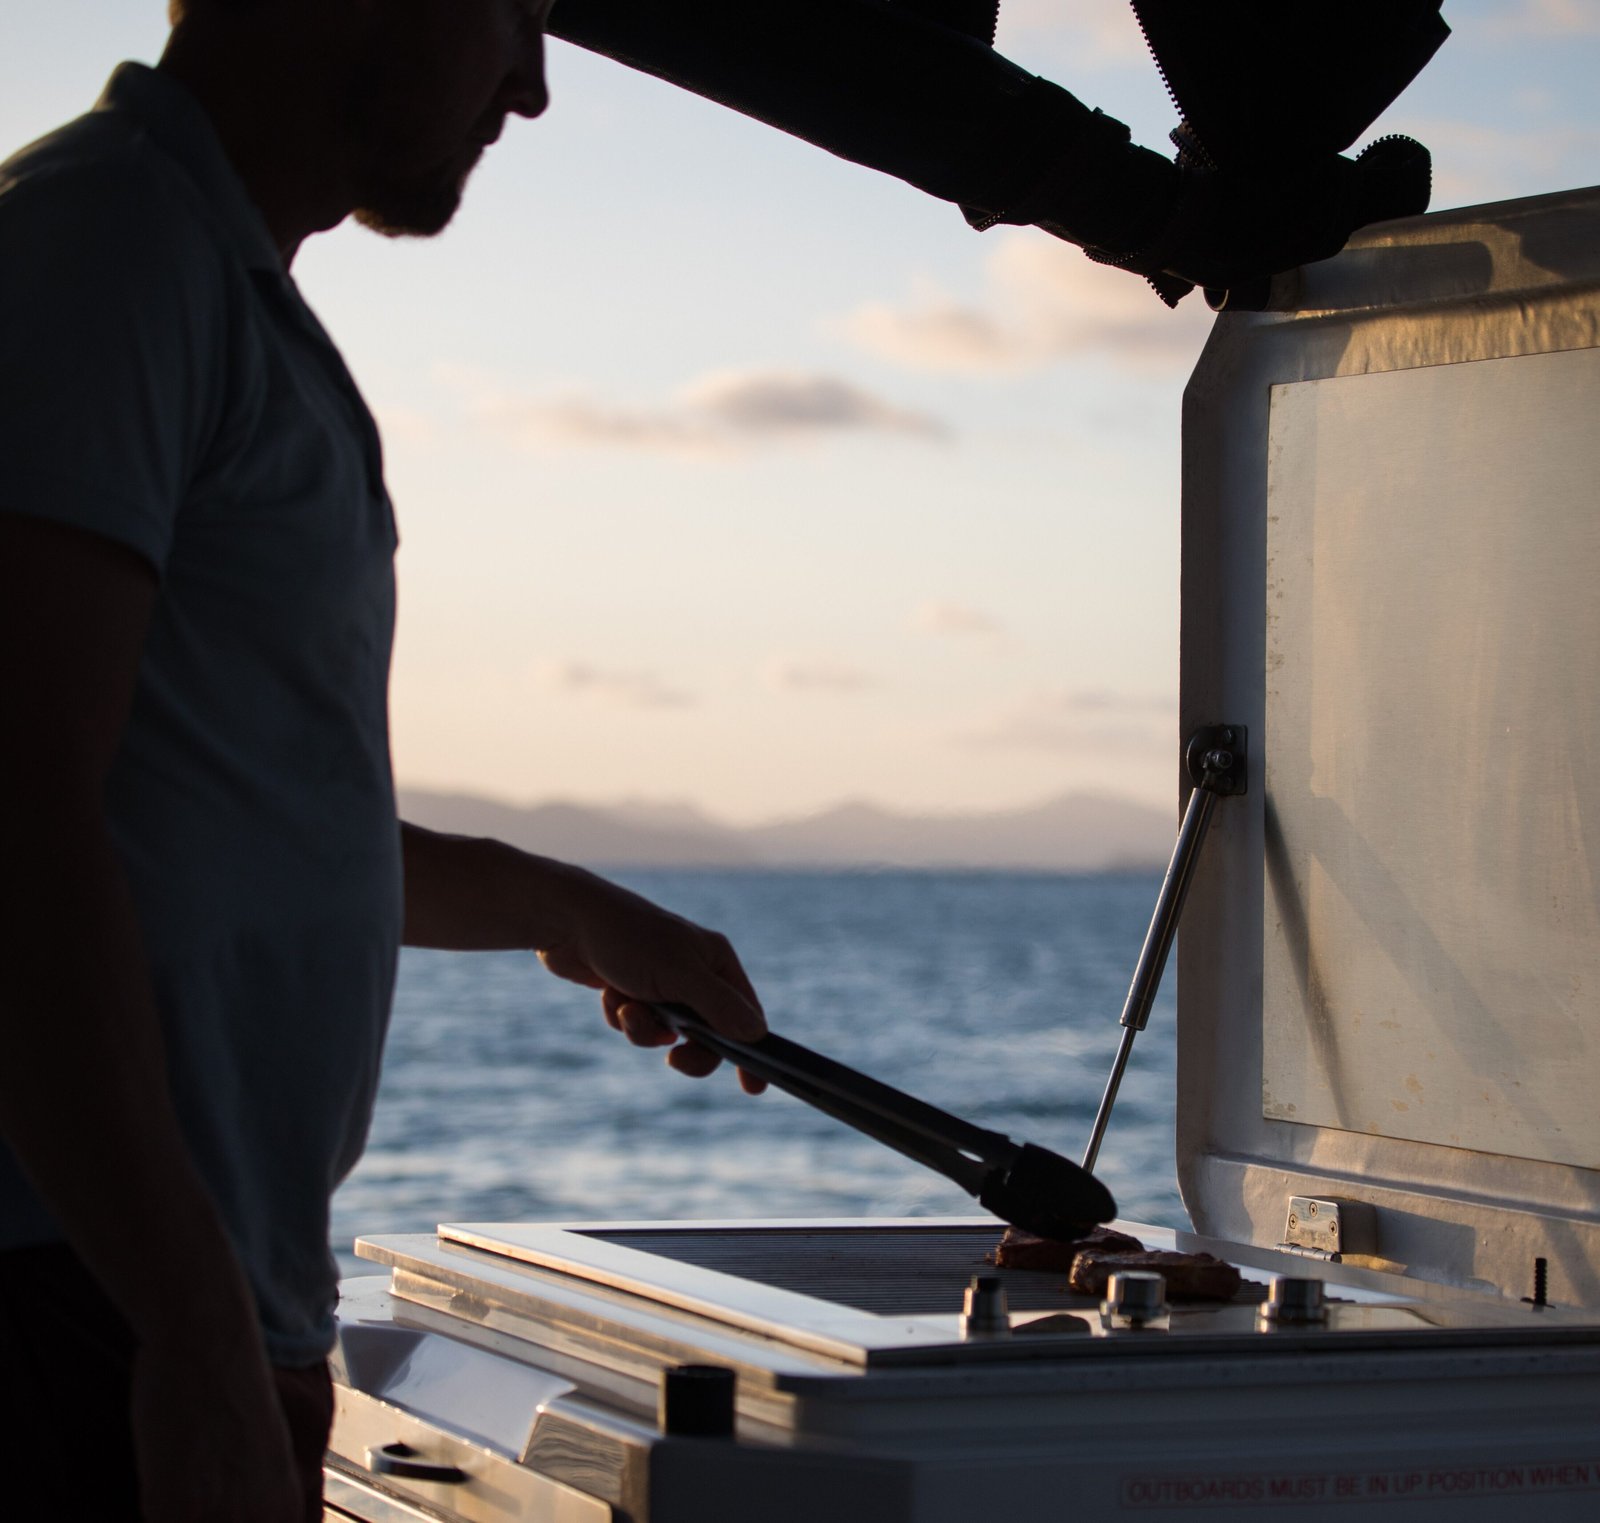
(107, 339)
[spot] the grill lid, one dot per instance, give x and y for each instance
(1388, 964)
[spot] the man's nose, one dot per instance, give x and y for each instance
(527, 93)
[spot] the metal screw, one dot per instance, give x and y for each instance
(1313, 1208)
(1294, 1221)
(1219, 761)
(1227, 737)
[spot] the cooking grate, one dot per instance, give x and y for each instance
(898, 1271)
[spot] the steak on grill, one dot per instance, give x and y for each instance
(1189, 1276)
(1024, 1250)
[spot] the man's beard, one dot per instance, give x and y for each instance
(415, 208)
(397, 202)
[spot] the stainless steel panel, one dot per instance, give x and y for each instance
(1432, 934)
(1480, 284)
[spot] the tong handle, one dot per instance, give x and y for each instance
(963, 1152)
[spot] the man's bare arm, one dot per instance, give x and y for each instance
(84, 1100)
(478, 895)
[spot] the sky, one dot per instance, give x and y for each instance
(732, 474)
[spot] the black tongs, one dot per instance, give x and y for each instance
(1029, 1186)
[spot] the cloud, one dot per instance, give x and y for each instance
(934, 331)
(940, 618)
(1055, 719)
(1544, 18)
(781, 402)
(717, 415)
(586, 421)
(1043, 303)
(820, 676)
(623, 689)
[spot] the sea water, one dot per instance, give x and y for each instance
(506, 1097)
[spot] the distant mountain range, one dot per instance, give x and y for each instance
(1078, 832)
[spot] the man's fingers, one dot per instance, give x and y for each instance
(642, 1026)
(693, 1060)
(728, 1004)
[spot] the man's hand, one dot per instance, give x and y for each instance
(472, 895)
(638, 954)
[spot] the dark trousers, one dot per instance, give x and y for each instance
(66, 1369)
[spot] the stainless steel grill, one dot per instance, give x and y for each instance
(1412, 426)
(900, 1271)
(890, 1272)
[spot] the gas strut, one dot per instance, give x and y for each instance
(1218, 764)
(1029, 1186)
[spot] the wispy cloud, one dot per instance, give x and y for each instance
(1544, 18)
(1043, 303)
(954, 619)
(622, 688)
(819, 676)
(1055, 719)
(720, 414)
(756, 403)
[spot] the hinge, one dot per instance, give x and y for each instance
(1320, 1228)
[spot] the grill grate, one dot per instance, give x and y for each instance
(892, 1271)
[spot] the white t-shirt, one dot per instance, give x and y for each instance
(163, 384)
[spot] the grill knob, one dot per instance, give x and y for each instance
(1294, 1300)
(1136, 1297)
(984, 1312)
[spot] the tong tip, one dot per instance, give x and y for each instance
(1046, 1194)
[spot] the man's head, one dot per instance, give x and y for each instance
(406, 94)
(431, 92)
